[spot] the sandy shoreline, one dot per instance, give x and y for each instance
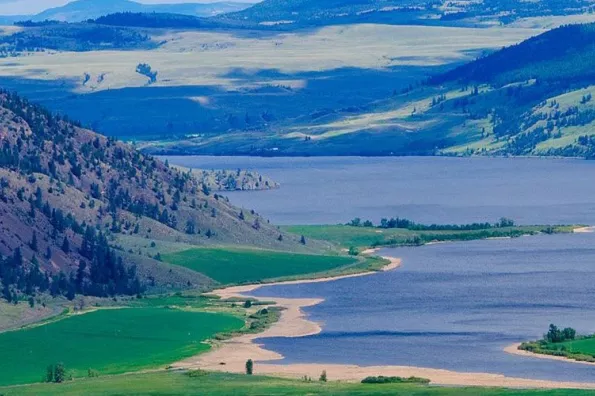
(584, 230)
(231, 355)
(514, 350)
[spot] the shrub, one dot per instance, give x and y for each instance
(196, 373)
(249, 367)
(323, 377)
(395, 380)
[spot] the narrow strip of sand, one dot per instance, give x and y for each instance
(584, 230)
(231, 355)
(514, 350)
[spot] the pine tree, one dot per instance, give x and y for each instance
(33, 243)
(59, 373)
(66, 245)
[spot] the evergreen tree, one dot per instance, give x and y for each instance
(249, 367)
(66, 245)
(33, 243)
(59, 373)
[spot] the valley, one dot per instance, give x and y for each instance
(297, 197)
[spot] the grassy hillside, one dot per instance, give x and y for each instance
(109, 341)
(534, 98)
(298, 13)
(225, 384)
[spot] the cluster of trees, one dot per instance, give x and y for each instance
(395, 380)
(410, 225)
(29, 23)
(17, 280)
(555, 335)
(145, 70)
(100, 273)
(155, 20)
(56, 373)
(74, 37)
(105, 274)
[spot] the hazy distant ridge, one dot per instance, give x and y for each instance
(82, 10)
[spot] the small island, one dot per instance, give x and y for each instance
(563, 343)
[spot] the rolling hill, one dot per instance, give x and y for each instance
(533, 98)
(82, 10)
(77, 205)
(299, 13)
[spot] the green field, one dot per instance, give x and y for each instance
(585, 346)
(229, 266)
(364, 237)
(175, 383)
(582, 349)
(109, 341)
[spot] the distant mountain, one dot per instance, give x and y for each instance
(327, 12)
(83, 10)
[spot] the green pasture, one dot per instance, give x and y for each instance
(175, 383)
(232, 265)
(109, 341)
(364, 237)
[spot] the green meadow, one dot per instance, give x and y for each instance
(365, 237)
(584, 346)
(110, 341)
(231, 265)
(176, 383)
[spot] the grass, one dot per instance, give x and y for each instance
(176, 383)
(175, 300)
(582, 349)
(364, 237)
(232, 265)
(584, 346)
(110, 341)
(207, 76)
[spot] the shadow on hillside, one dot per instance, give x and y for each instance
(257, 100)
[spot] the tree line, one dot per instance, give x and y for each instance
(401, 223)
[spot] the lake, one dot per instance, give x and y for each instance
(334, 190)
(453, 306)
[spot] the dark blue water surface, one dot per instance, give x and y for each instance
(453, 306)
(425, 189)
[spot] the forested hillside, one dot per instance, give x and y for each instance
(534, 97)
(428, 12)
(71, 201)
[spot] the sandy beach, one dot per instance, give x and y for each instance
(231, 355)
(514, 350)
(584, 230)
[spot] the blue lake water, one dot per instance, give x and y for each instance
(425, 189)
(453, 306)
